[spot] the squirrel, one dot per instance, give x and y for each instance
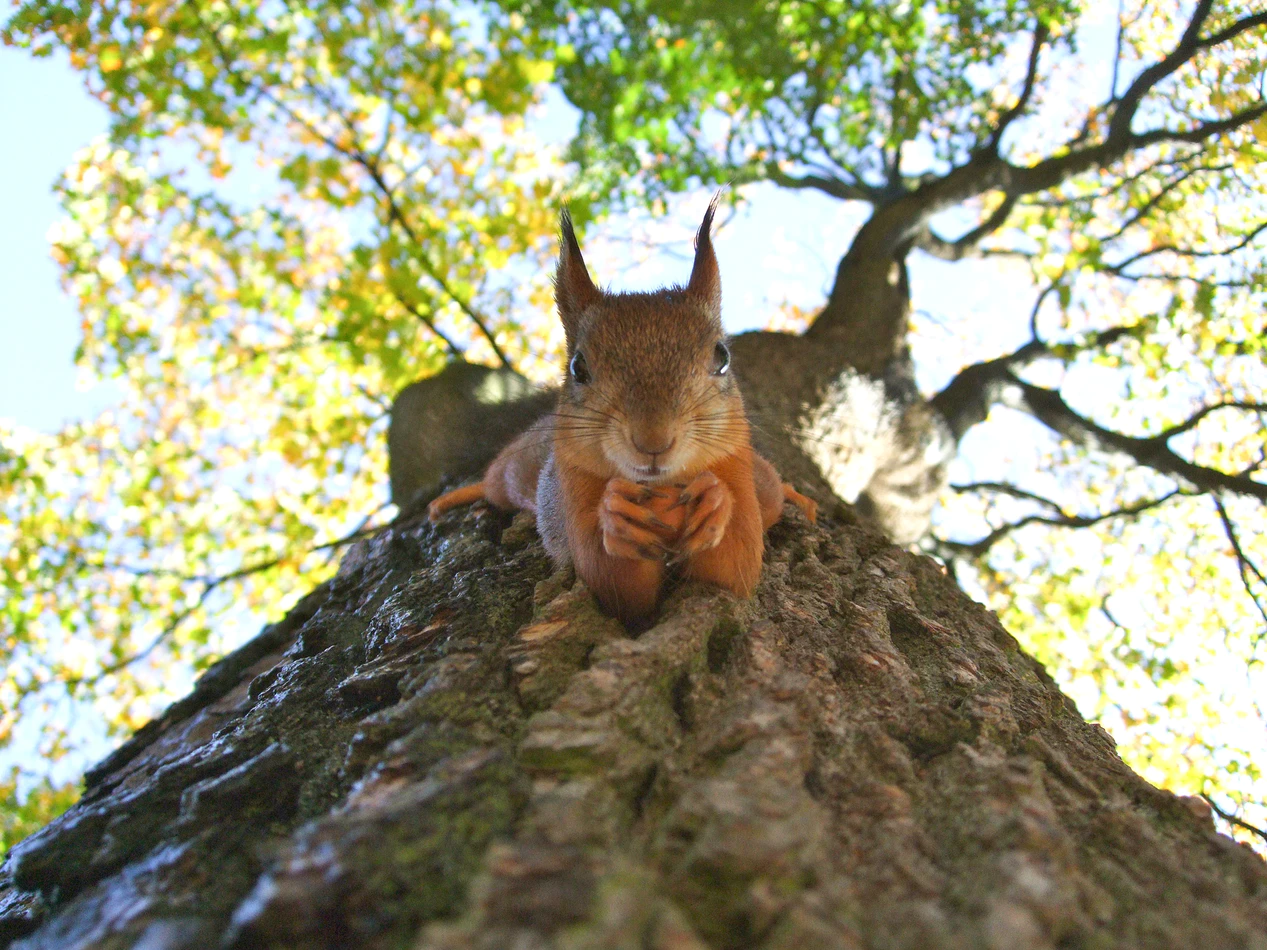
(646, 464)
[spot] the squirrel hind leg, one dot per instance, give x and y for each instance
(452, 499)
(807, 505)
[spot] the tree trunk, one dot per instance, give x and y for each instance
(447, 746)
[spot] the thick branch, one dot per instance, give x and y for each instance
(1128, 105)
(905, 218)
(967, 245)
(973, 391)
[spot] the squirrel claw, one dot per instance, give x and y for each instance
(711, 506)
(655, 552)
(683, 499)
(631, 529)
(660, 523)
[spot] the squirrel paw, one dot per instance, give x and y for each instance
(709, 504)
(452, 499)
(631, 529)
(808, 506)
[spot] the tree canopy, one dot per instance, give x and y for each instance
(300, 208)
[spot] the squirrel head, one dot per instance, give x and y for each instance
(649, 394)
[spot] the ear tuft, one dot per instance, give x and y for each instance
(573, 289)
(705, 282)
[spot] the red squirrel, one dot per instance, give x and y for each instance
(646, 464)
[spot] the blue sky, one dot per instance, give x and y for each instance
(47, 115)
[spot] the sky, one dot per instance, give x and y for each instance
(47, 116)
(782, 247)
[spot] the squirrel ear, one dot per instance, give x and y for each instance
(573, 289)
(705, 281)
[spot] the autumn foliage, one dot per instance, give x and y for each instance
(301, 208)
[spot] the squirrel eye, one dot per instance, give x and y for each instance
(721, 359)
(580, 372)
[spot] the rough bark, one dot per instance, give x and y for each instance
(446, 746)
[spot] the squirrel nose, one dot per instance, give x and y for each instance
(654, 450)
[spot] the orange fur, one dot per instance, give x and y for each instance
(648, 399)
(808, 506)
(452, 499)
(735, 562)
(627, 588)
(510, 481)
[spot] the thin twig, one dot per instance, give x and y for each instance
(1244, 564)
(1004, 488)
(1233, 819)
(210, 585)
(372, 169)
(1195, 419)
(982, 545)
(429, 323)
(1031, 75)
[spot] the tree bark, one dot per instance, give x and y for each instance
(447, 746)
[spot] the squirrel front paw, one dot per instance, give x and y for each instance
(637, 521)
(708, 504)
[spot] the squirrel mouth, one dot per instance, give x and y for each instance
(650, 473)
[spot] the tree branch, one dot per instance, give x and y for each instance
(1244, 564)
(1004, 488)
(394, 213)
(369, 165)
(900, 220)
(965, 246)
(1031, 74)
(1117, 52)
(967, 399)
(429, 323)
(1171, 183)
(1186, 252)
(1232, 819)
(1128, 104)
(982, 545)
(209, 585)
(829, 186)
(985, 170)
(1231, 32)
(1193, 420)
(1050, 408)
